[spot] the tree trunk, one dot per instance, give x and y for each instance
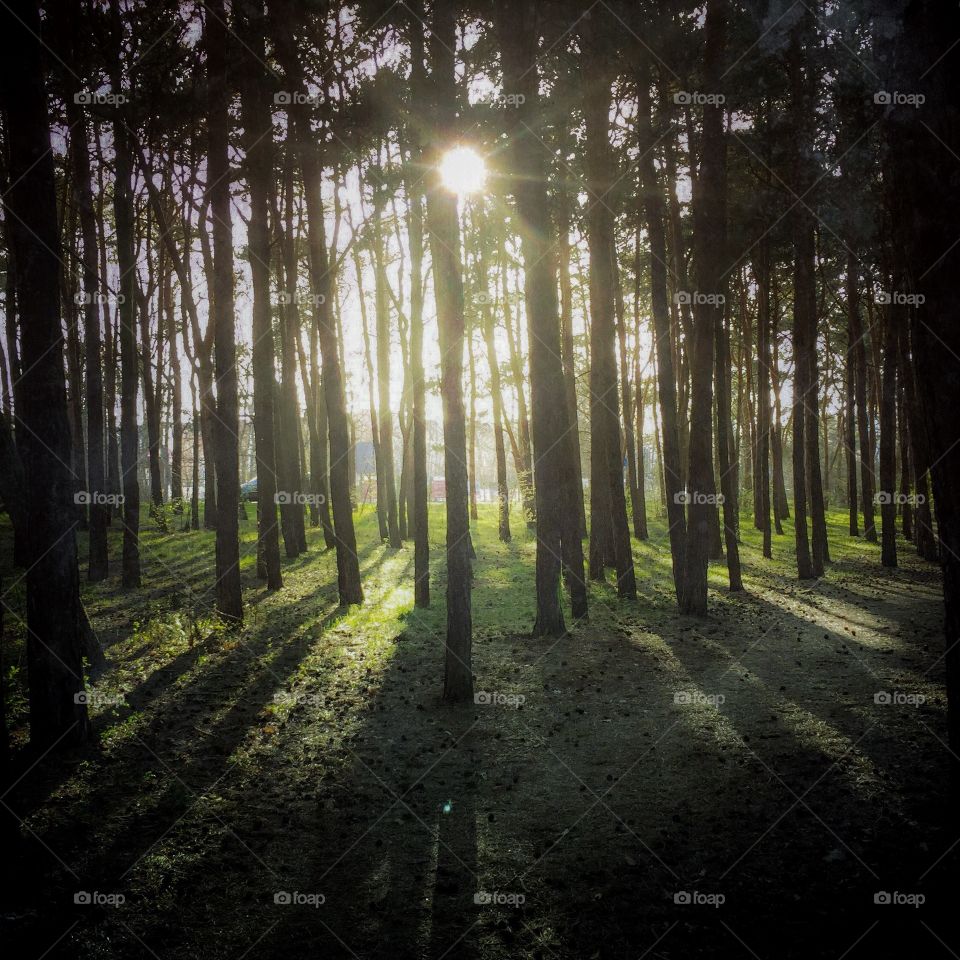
(444, 229)
(626, 395)
(666, 378)
(709, 234)
(98, 563)
(385, 417)
(762, 465)
(258, 150)
(227, 424)
(804, 304)
(569, 358)
(609, 531)
(127, 323)
(421, 541)
(55, 619)
(895, 317)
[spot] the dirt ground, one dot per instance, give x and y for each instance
(765, 783)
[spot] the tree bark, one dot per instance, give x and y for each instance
(227, 424)
(444, 229)
(709, 233)
(654, 208)
(55, 619)
(609, 531)
(258, 151)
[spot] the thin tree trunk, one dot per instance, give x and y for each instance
(421, 542)
(666, 378)
(127, 324)
(609, 531)
(709, 242)
(444, 229)
(258, 150)
(227, 425)
(98, 563)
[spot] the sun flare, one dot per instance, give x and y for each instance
(463, 170)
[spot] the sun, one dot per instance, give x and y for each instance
(463, 171)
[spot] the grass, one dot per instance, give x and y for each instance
(742, 756)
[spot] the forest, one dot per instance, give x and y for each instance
(478, 479)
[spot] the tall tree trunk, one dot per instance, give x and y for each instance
(728, 479)
(569, 358)
(258, 150)
(98, 563)
(385, 417)
(709, 235)
(895, 318)
(127, 322)
(608, 507)
(503, 492)
(652, 193)
(290, 475)
(444, 229)
(903, 440)
(919, 163)
(559, 546)
(804, 301)
(523, 457)
(762, 466)
(55, 618)
(421, 542)
(626, 396)
(227, 425)
(850, 397)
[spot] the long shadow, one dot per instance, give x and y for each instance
(581, 813)
(184, 749)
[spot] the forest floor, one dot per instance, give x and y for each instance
(648, 786)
